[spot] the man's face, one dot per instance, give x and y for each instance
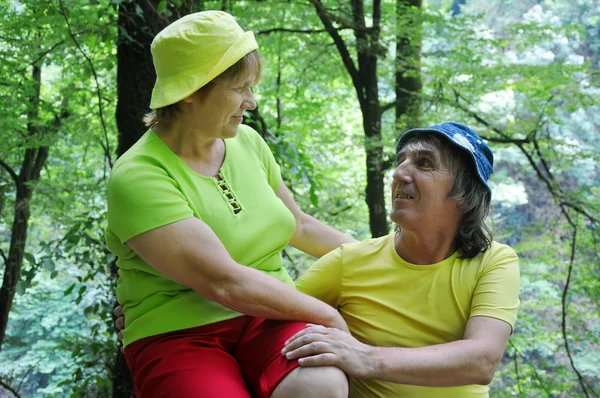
(420, 191)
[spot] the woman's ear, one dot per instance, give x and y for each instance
(188, 99)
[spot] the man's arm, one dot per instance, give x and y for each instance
(472, 360)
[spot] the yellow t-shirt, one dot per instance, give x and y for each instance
(388, 302)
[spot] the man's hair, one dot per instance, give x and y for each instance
(470, 193)
(249, 67)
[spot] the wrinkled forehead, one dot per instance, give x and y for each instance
(425, 144)
(448, 154)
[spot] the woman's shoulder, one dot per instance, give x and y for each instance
(146, 156)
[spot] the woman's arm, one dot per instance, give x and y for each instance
(311, 236)
(190, 253)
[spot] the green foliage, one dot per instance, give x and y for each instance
(516, 70)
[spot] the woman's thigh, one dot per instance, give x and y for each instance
(259, 354)
(194, 363)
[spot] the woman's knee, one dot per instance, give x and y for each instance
(325, 381)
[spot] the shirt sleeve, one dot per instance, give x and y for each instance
(323, 280)
(268, 161)
(496, 294)
(142, 196)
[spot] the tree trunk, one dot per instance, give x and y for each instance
(135, 71)
(135, 79)
(371, 112)
(29, 174)
(409, 36)
(363, 73)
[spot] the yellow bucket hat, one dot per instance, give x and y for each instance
(194, 50)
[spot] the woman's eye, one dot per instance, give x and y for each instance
(240, 89)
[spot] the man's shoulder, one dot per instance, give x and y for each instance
(497, 254)
(366, 247)
(500, 249)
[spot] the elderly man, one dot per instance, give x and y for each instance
(430, 306)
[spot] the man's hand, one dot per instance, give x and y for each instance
(321, 346)
(120, 321)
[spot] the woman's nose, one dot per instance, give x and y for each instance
(249, 102)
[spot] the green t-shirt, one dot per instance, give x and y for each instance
(388, 302)
(150, 187)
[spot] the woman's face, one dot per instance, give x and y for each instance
(218, 108)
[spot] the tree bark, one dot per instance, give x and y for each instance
(364, 79)
(409, 36)
(29, 174)
(135, 79)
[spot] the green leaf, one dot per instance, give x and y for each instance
(69, 290)
(161, 6)
(29, 257)
(20, 288)
(49, 264)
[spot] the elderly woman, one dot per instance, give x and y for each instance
(198, 216)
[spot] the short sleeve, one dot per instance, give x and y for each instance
(142, 196)
(496, 294)
(323, 280)
(267, 159)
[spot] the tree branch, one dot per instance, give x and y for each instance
(41, 56)
(533, 368)
(106, 144)
(564, 312)
(547, 178)
(9, 388)
(10, 171)
(516, 363)
(288, 30)
(326, 19)
(3, 257)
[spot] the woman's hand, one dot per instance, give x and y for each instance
(321, 346)
(120, 321)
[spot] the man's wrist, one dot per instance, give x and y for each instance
(374, 362)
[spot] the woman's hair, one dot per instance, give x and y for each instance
(249, 67)
(470, 193)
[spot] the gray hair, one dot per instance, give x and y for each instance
(470, 193)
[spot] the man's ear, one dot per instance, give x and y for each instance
(189, 99)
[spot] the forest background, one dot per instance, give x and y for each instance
(343, 80)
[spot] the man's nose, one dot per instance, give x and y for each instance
(403, 173)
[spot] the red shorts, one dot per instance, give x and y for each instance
(236, 358)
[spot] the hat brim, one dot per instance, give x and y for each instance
(173, 91)
(413, 132)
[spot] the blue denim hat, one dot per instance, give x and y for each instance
(464, 138)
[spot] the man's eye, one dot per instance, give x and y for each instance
(240, 89)
(425, 163)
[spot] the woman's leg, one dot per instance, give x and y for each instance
(190, 363)
(322, 382)
(267, 371)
